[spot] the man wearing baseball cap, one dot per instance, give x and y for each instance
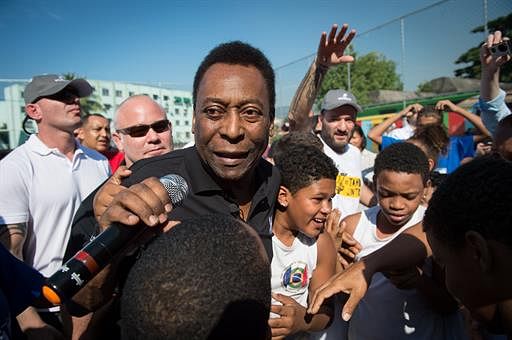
(338, 115)
(44, 181)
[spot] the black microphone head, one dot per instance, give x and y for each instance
(176, 187)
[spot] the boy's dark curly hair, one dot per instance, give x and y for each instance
(402, 157)
(477, 196)
(301, 165)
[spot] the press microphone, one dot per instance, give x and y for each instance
(91, 259)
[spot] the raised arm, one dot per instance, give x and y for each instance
(330, 52)
(492, 99)
(447, 105)
(375, 134)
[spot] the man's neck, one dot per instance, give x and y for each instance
(58, 139)
(345, 148)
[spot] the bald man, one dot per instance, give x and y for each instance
(142, 129)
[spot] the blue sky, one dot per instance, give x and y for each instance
(164, 41)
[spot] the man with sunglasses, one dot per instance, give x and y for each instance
(43, 182)
(142, 129)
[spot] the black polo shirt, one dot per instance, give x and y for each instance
(205, 195)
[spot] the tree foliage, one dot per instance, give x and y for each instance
(91, 104)
(368, 73)
(472, 56)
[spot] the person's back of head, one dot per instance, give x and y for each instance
(402, 157)
(433, 140)
(207, 278)
(477, 196)
(238, 53)
(301, 165)
(281, 146)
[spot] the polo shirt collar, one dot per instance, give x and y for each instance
(42, 149)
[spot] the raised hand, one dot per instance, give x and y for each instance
(331, 50)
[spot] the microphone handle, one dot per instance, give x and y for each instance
(87, 262)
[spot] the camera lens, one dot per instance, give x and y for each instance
(502, 47)
(493, 49)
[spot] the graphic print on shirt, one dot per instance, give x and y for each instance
(295, 276)
(348, 186)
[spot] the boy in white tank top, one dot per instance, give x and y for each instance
(304, 256)
(421, 308)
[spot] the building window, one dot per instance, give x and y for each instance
(177, 111)
(178, 101)
(131, 93)
(186, 122)
(104, 92)
(21, 95)
(107, 107)
(155, 97)
(166, 98)
(185, 111)
(119, 93)
(187, 134)
(187, 101)
(177, 123)
(22, 109)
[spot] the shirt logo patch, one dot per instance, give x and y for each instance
(348, 186)
(295, 276)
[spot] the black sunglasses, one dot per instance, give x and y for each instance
(66, 96)
(142, 130)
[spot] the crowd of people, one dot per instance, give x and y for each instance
(327, 241)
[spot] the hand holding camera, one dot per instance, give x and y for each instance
(503, 48)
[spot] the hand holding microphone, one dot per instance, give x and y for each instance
(132, 210)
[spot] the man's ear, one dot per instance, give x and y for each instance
(271, 129)
(33, 111)
(193, 123)
(283, 196)
(478, 249)
(118, 141)
(431, 164)
(80, 134)
(320, 116)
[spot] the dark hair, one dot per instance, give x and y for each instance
(402, 157)
(207, 278)
(239, 53)
(359, 130)
(434, 138)
(477, 196)
(431, 111)
(280, 146)
(301, 165)
(85, 118)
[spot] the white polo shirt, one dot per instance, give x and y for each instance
(43, 188)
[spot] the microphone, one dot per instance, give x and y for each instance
(86, 263)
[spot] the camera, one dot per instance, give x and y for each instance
(503, 48)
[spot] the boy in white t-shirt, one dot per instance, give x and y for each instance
(304, 256)
(413, 303)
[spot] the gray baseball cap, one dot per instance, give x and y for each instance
(49, 84)
(336, 98)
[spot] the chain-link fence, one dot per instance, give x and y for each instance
(424, 43)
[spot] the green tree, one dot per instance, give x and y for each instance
(91, 104)
(472, 56)
(368, 73)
